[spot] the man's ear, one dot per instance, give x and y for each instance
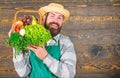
(44, 17)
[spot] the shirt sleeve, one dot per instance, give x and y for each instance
(21, 64)
(66, 66)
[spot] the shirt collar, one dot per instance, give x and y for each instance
(54, 40)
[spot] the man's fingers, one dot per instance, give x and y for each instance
(9, 33)
(34, 46)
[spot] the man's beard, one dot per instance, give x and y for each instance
(53, 31)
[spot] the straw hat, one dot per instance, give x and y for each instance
(54, 7)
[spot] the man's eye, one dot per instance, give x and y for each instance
(60, 17)
(51, 16)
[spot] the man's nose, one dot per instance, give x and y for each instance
(56, 19)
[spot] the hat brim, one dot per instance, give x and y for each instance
(47, 9)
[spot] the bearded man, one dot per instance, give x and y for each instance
(57, 59)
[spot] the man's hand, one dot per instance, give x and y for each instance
(40, 51)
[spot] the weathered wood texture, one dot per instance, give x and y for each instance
(94, 28)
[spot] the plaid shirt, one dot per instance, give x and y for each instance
(65, 68)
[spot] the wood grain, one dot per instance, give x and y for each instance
(94, 28)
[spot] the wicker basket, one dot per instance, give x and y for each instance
(21, 13)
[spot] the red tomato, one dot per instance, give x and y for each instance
(18, 26)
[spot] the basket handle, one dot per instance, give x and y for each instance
(30, 11)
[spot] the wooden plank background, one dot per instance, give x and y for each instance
(94, 28)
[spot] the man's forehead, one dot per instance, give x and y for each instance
(54, 13)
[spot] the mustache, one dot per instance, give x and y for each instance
(54, 23)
